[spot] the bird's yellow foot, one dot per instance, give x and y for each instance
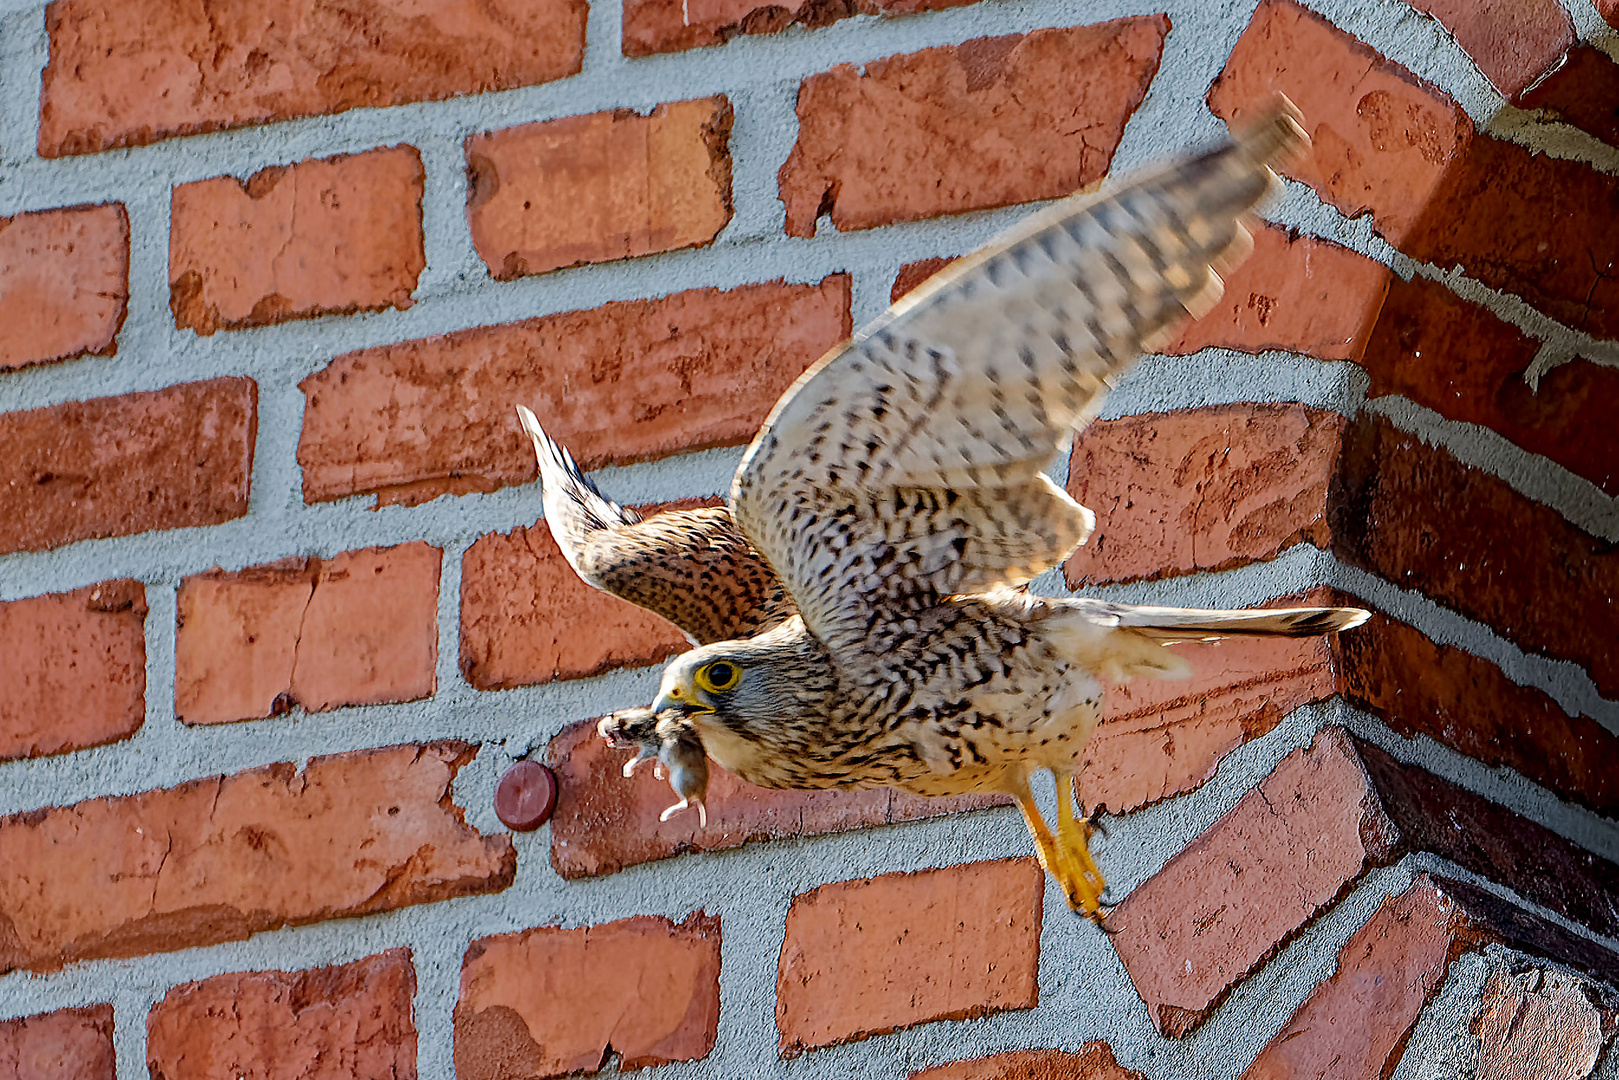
(1066, 856)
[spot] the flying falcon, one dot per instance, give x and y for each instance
(859, 607)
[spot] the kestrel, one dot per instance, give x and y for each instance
(859, 607)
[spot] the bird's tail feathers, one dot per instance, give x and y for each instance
(572, 500)
(1193, 624)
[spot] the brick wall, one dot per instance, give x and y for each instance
(278, 608)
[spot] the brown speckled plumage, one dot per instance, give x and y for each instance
(897, 493)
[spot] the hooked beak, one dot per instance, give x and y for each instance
(683, 700)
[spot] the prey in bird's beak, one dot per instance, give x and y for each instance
(662, 737)
(680, 695)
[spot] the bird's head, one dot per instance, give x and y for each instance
(750, 685)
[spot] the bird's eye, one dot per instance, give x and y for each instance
(718, 677)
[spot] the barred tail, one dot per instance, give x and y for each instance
(1192, 624)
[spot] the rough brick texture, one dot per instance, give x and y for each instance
(1381, 140)
(611, 185)
(356, 629)
(656, 26)
(548, 1001)
(913, 274)
(1538, 1025)
(113, 466)
(1159, 738)
(1221, 906)
(221, 858)
(327, 236)
(1419, 687)
(1458, 359)
(1297, 293)
(1582, 92)
(526, 617)
(1609, 10)
(325, 1024)
(1201, 489)
(965, 127)
(1512, 41)
(862, 958)
(1418, 517)
(143, 71)
(623, 382)
(604, 822)
(64, 283)
(69, 1044)
(73, 670)
(1094, 1061)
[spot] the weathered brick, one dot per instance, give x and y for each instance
(604, 821)
(547, 1002)
(867, 957)
(1094, 1061)
(914, 273)
(1538, 1025)
(1159, 738)
(1582, 92)
(1386, 972)
(1419, 687)
(1609, 10)
(1415, 515)
(611, 185)
(987, 123)
(526, 617)
(1512, 41)
(64, 283)
(73, 670)
(221, 858)
(148, 70)
(1201, 489)
(1381, 139)
(1297, 293)
(114, 466)
(69, 1044)
(659, 26)
(357, 629)
(1250, 881)
(324, 1024)
(321, 237)
(623, 382)
(1459, 359)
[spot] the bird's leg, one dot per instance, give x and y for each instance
(1073, 846)
(1081, 894)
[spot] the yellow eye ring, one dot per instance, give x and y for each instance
(719, 676)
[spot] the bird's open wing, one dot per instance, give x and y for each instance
(693, 567)
(907, 465)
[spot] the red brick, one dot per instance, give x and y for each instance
(604, 822)
(867, 957)
(1459, 359)
(1512, 41)
(145, 71)
(548, 1001)
(623, 382)
(659, 26)
(913, 274)
(1530, 224)
(357, 629)
(73, 672)
(166, 459)
(526, 617)
(69, 1044)
(221, 858)
(1159, 738)
(1387, 971)
(1201, 489)
(1583, 92)
(1381, 139)
(589, 189)
(1419, 687)
(1223, 905)
(322, 237)
(987, 123)
(1415, 515)
(1538, 1025)
(1094, 1061)
(64, 283)
(325, 1024)
(1609, 10)
(1296, 293)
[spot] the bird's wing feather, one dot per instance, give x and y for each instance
(907, 464)
(693, 567)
